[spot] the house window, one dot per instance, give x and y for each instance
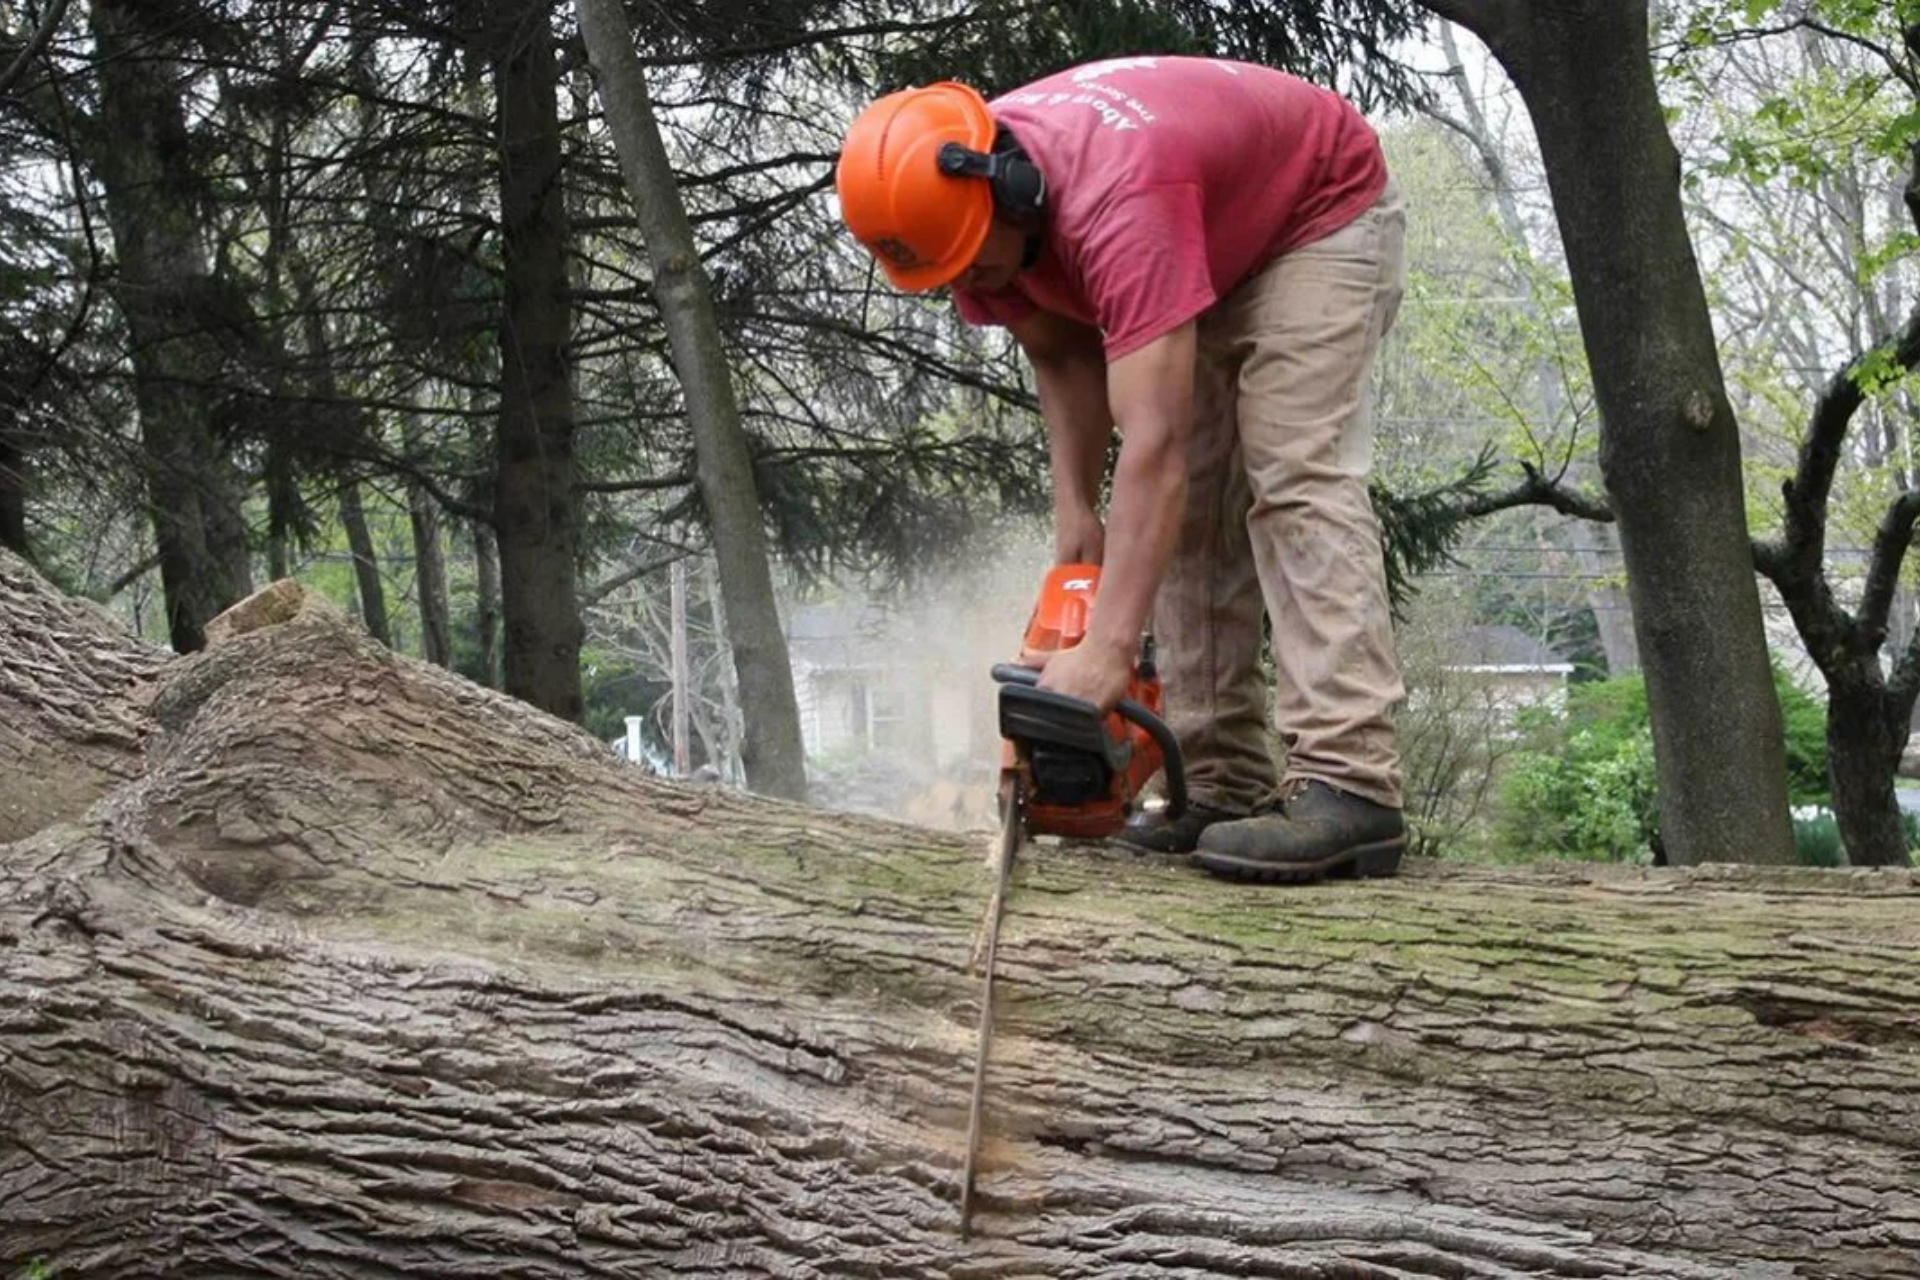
(855, 703)
(887, 724)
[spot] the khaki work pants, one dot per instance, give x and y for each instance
(1277, 515)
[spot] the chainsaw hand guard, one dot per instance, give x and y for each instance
(1085, 769)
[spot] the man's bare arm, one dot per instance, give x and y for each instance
(1070, 369)
(1151, 391)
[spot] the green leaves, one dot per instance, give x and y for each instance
(1899, 133)
(1878, 370)
(1863, 17)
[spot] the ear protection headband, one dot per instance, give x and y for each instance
(1019, 188)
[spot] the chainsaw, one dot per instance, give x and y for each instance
(1066, 770)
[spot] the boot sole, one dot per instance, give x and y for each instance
(1362, 862)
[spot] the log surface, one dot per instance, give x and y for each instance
(71, 687)
(373, 971)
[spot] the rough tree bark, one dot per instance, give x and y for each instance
(771, 749)
(71, 722)
(429, 564)
(13, 484)
(369, 587)
(486, 609)
(1669, 445)
(534, 503)
(163, 286)
(375, 971)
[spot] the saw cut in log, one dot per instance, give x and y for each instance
(373, 971)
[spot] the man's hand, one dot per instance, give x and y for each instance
(1078, 537)
(1090, 672)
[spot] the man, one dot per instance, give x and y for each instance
(1205, 255)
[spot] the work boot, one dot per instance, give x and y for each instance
(1152, 831)
(1318, 831)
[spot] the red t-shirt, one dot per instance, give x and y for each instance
(1171, 180)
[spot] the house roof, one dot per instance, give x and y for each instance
(834, 622)
(846, 636)
(1505, 647)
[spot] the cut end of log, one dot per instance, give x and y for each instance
(272, 605)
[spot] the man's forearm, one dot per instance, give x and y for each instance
(1151, 392)
(1143, 522)
(1073, 401)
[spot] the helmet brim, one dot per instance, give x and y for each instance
(936, 275)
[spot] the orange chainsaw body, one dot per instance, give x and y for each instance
(1058, 623)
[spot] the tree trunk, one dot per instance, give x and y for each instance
(279, 467)
(772, 751)
(283, 503)
(1669, 448)
(682, 712)
(13, 493)
(373, 971)
(727, 736)
(430, 566)
(1866, 733)
(534, 499)
(368, 584)
(163, 287)
(430, 572)
(486, 588)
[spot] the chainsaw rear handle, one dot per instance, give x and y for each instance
(1128, 709)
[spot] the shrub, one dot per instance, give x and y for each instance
(1585, 785)
(1594, 799)
(1816, 840)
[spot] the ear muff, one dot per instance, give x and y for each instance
(1019, 188)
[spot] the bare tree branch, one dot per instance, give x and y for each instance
(1538, 491)
(42, 34)
(650, 484)
(1803, 541)
(593, 595)
(1477, 16)
(1901, 71)
(133, 575)
(1890, 543)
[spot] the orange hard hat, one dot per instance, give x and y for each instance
(924, 226)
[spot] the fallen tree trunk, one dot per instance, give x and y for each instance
(71, 685)
(375, 971)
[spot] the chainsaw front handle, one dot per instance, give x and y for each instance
(1127, 709)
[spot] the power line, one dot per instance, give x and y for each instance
(1849, 552)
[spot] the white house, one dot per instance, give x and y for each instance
(1508, 669)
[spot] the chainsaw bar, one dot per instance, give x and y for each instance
(1012, 829)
